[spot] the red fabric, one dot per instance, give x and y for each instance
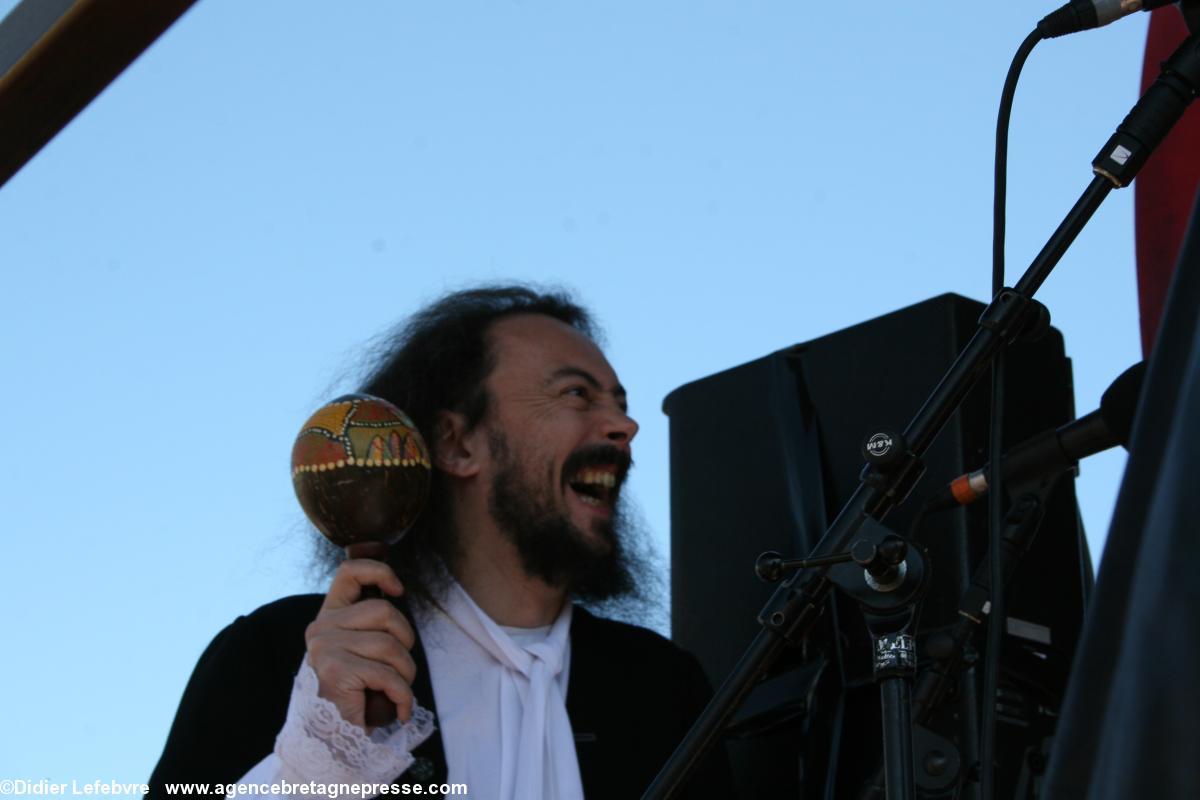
(1166, 187)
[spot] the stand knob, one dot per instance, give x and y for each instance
(884, 448)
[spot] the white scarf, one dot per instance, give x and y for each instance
(536, 743)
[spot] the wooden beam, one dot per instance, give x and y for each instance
(57, 55)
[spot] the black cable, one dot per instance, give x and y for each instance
(1001, 179)
(996, 585)
(996, 615)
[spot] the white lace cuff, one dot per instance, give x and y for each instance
(317, 745)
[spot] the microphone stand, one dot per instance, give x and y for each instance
(888, 587)
(887, 580)
(1021, 526)
(796, 604)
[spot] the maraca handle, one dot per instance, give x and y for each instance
(379, 710)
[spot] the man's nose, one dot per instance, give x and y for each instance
(620, 427)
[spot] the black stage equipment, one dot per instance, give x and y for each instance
(895, 463)
(1083, 15)
(763, 454)
(1056, 449)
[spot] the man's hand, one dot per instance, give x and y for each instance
(354, 646)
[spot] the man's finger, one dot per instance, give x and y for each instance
(344, 682)
(354, 574)
(372, 646)
(367, 615)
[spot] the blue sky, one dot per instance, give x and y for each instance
(193, 265)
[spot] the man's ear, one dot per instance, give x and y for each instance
(454, 450)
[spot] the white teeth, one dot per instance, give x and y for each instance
(600, 478)
(591, 501)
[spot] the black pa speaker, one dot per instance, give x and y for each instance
(764, 455)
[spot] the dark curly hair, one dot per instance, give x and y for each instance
(438, 360)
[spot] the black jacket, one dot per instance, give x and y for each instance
(632, 696)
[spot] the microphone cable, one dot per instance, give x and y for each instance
(995, 437)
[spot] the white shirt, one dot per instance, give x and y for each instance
(501, 699)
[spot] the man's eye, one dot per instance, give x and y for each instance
(577, 391)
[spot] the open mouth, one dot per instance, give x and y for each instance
(596, 487)
(595, 474)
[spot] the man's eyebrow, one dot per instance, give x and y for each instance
(575, 372)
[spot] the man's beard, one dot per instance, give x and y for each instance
(552, 548)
